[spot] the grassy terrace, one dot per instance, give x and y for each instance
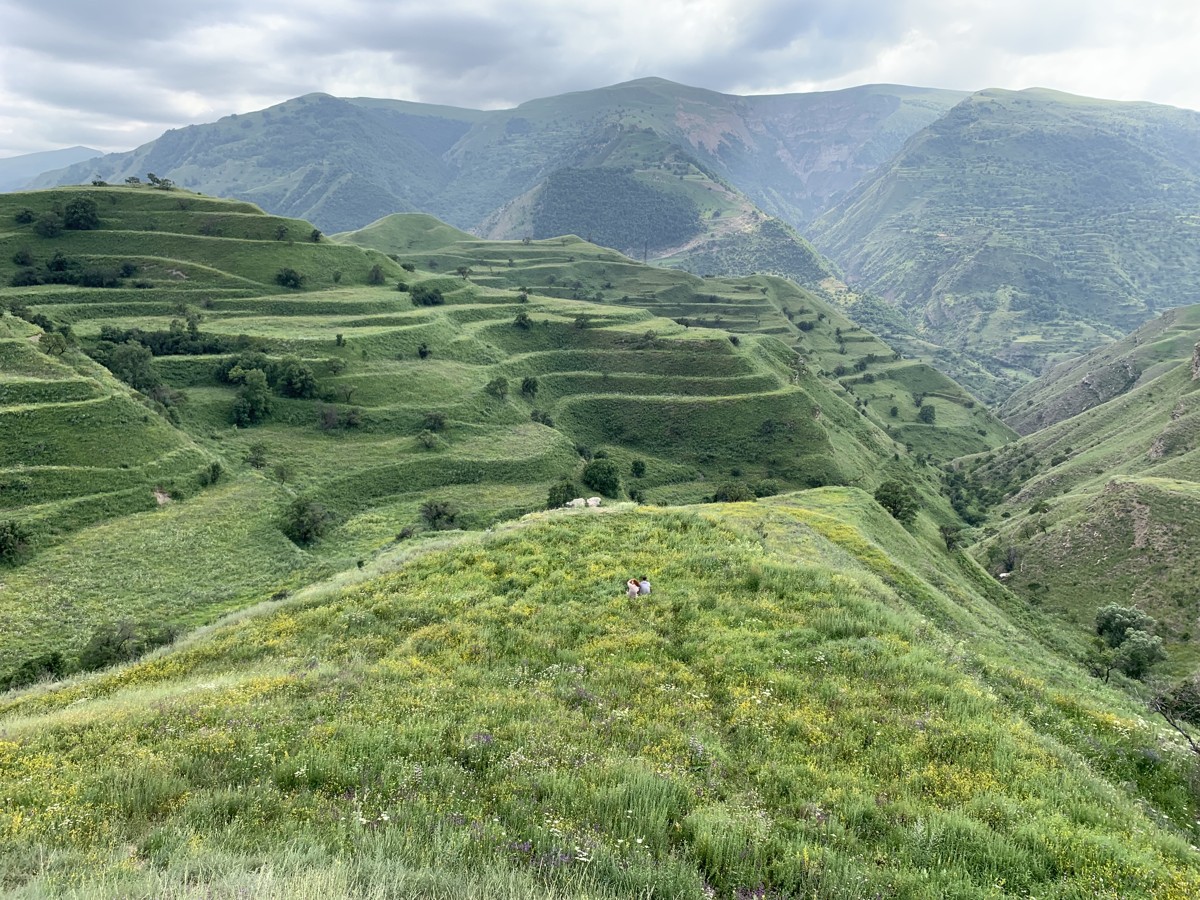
(700, 388)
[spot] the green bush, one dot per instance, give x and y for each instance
(604, 476)
(423, 295)
(734, 492)
(899, 500)
(14, 541)
(561, 493)
(440, 515)
(289, 278)
(305, 521)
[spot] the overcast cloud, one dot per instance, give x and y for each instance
(118, 74)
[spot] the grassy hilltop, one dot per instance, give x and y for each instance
(813, 702)
(150, 499)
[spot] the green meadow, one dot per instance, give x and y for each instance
(793, 712)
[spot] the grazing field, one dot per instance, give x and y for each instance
(813, 702)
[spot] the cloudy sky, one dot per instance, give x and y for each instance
(117, 74)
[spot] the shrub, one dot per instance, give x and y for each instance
(305, 521)
(14, 541)
(423, 295)
(522, 320)
(120, 642)
(899, 500)
(48, 225)
(602, 475)
(637, 468)
(529, 386)
(561, 493)
(375, 275)
(292, 378)
(927, 414)
(80, 214)
(434, 421)
(428, 440)
(211, 474)
(23, 257)
(289, 278)
(734, 492)
(48, 665)
(440, 515)
(24, 216)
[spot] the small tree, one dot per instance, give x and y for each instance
(951, 535)
(637, 468)
(256, 455)
(1113, 623)
(253, 402)
(1124, 643)
(294, 379)
(561, 493)
(305, 521)
(375, 274)
(424, 295)
(899, 500)
(927, 414)
(80, 214)
(603, 475)
(522, 320)
(497, 387)
(48, 225)
(529, 386)
(53, 344)
(289, 278)
(734, 492)
(440, 515)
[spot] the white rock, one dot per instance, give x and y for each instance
(593, 501)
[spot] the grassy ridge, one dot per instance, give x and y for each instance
(799, 709)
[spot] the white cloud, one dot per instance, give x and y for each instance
(122, 77)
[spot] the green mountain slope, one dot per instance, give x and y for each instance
(812, 702)
(1028, 226)
(380, 405)
(1106, 372)
(1103, 506)
(343, 163)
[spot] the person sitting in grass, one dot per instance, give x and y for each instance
(633, 588)
(644, 585)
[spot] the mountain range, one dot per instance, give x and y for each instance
(301, 593)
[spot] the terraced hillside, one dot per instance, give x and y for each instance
(1103, 505)
(352, 415)
(887, 389)
(812, 702)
